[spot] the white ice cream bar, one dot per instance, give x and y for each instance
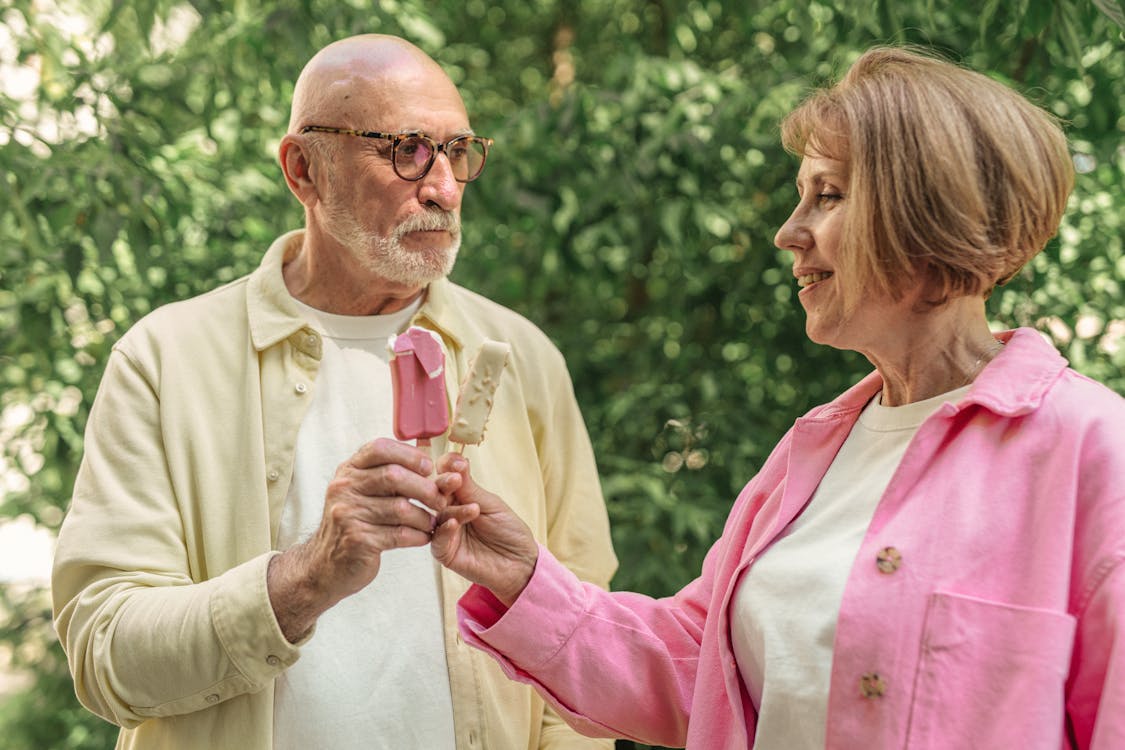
(474, 403)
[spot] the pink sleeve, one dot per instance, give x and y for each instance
(1096, 690)
(612, 664)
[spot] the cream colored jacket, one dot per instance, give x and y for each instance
(159, 581)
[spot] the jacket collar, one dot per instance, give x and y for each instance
(274, 316)
(272, 313)
(1018, 379)
(1013, 384)
(440, 312)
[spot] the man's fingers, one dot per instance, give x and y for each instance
(389, 537)
(380, 512)
(387, 481)
(386, 451)
(404, 536)
(385, 538)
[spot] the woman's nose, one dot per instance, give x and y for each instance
(792, 235)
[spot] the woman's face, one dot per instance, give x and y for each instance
(813, 233)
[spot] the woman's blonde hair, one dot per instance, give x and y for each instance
(954, 178)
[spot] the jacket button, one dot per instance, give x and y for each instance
(274, 475)
(272, 660)
(212, 698)
(871, 685)
(888, 560)
(300, 388)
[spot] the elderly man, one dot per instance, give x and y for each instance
(240, 566)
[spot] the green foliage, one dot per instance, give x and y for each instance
(47, 716)
(628, 208)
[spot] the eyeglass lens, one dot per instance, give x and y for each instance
(415, 154)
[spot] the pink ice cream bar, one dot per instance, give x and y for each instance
(418, 375)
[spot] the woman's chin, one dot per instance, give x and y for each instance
(825, 335)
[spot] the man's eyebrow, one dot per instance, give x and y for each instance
(455, 134)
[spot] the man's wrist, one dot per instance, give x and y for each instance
(295, 603)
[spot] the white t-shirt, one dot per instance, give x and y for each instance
(374, 673)
(783, 619)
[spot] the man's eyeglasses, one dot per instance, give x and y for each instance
(412, 154)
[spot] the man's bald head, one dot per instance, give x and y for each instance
(349, 81)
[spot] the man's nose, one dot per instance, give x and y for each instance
(439, 186)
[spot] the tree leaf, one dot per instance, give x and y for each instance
(1114, 9)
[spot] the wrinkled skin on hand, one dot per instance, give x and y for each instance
(367, 511)
(479, 537)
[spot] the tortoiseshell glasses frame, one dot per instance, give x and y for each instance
(412, 154)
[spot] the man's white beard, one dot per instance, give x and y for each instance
(387, 257)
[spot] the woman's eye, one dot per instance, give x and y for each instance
(828, 197)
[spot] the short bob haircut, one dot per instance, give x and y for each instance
(954, 178)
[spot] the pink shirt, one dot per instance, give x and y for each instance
(986, 606)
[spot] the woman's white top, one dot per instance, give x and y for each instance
(786, 605)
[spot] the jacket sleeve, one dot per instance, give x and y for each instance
(612, 664)
(1096, 690)
(577, 520)
(146, 632)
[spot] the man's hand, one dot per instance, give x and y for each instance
(366, 512)
(479, 537)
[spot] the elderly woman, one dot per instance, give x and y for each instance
(936, 558)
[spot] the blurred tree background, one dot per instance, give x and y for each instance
(629, 209)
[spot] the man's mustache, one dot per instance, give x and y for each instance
(434, 220)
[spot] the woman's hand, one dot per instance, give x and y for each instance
(479, 537)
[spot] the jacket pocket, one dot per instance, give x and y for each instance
(990, 675)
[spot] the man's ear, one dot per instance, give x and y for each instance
(293, 154)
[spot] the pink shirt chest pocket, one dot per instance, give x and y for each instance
(991, 675)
